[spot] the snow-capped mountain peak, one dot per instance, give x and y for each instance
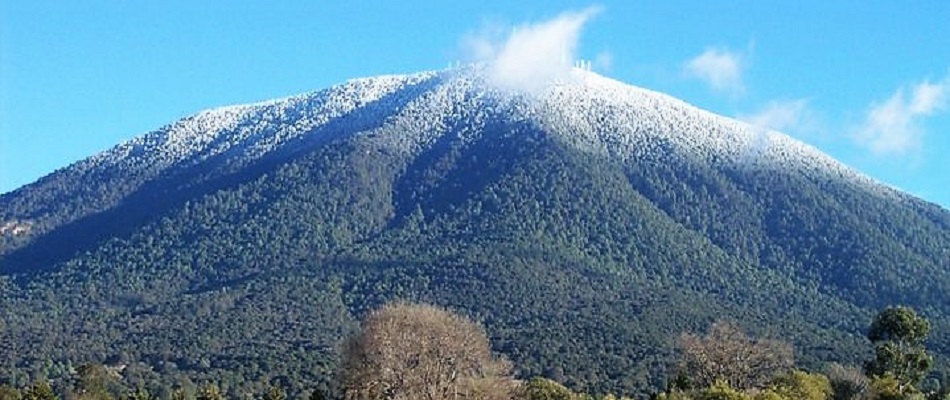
(408, 113)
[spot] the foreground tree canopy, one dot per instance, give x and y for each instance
(408, 351)
(730, 356)
(898, 334)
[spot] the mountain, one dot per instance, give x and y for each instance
(586, 225)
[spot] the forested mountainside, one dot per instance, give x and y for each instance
(586, 227)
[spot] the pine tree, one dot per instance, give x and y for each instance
(898, 334)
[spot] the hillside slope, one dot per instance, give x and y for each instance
(586, 226)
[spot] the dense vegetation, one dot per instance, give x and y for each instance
(407, 351)
(583, 269)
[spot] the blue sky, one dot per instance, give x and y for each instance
(866, 81)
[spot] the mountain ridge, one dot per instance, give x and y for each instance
(197, 138)
(586, 226)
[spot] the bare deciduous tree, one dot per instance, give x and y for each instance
(847, 383)
(409, 351)
(727, 354)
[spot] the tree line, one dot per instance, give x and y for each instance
(406, 351)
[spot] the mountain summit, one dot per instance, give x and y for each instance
(586, 224)
(407, 113)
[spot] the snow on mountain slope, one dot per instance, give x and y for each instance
(622, 120)
(408, 112)
(250, 130)
(608, 117)
(241, 132)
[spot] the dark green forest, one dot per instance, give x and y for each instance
(582, 268)
(416, 351)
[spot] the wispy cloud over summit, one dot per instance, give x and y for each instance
(788, 116)
(531, 56)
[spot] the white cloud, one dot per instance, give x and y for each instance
(928, 97)
(781, 115)
(893, 127)
(720, 68)
(533, 55)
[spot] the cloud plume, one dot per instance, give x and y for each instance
(894, 126)
(720, 68)
(781, 115)
(532, 55)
